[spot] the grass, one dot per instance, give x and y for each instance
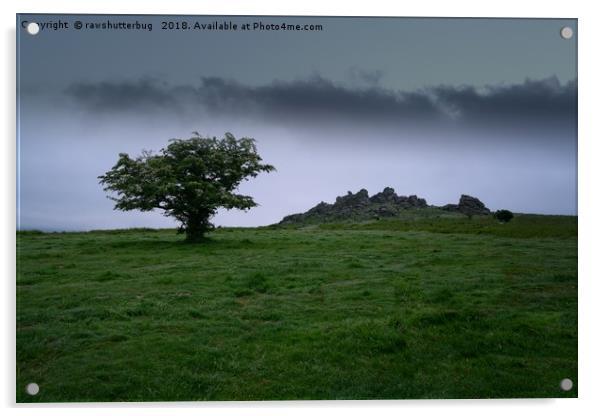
(435, 308)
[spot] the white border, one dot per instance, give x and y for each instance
(590, 275)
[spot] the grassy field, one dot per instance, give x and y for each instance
(433, 308)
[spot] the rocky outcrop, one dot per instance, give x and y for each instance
(357, 207)
(468, 205)
(362, 207)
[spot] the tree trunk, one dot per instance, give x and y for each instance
(196, 227)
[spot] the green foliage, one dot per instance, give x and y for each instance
(463, 309)
(503, 215)
(189, 180)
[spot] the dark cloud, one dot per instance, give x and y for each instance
(536, 101)
(533, 102)
(125, 95)
(314, 97)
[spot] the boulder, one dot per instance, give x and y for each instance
(416, 202)
(387, 195)
(470, 205)
(352, 200)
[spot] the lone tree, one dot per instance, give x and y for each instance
(189, 180)
(503, 215)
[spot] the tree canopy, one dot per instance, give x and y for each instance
(189, 180)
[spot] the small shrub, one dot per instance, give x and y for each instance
(503, 215)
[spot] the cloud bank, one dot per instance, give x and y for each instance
(537, 103)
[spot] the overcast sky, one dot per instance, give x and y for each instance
(433, 107)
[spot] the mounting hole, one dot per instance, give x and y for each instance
(32, 389)
(566, 32)
(32, 28)
(566, 384)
